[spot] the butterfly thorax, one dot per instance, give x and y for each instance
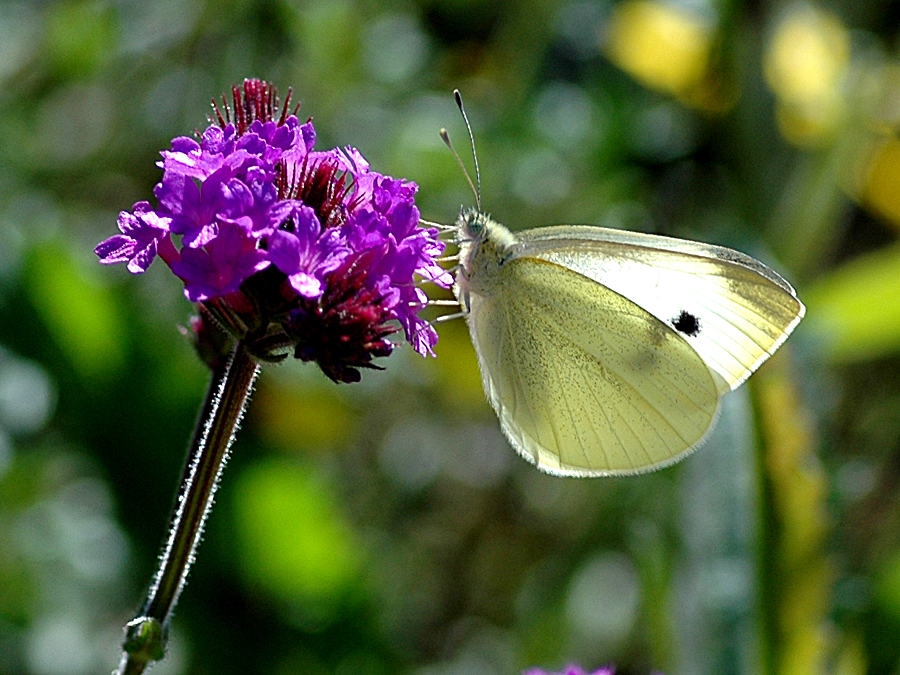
(485, 246)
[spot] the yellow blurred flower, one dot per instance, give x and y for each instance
(880, 191)
(663, 46)
(805, 65)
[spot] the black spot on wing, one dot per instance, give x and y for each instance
(687, 323)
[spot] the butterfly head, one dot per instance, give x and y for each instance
(471, 226)
(484, 246)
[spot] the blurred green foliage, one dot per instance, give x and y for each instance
(387, 527)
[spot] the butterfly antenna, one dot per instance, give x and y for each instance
(446, 138)
(476, 186)
(462, 110)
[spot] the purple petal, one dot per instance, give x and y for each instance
(142, 258)
(117, 249)
(142, 232)
(306, 285)
(221, 266)
(303, 251)
(218, 140)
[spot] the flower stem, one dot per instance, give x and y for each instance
(226, 399)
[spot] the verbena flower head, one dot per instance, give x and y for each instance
(284, 247)
(572, 670)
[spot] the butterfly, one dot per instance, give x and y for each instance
(606, 352)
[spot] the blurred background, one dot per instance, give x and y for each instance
(387, 527)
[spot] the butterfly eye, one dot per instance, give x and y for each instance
(474, 225)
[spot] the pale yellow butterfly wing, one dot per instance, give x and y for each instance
(743, 310)
(585, 381)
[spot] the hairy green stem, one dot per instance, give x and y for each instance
(145, 635)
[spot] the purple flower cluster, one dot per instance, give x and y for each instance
(571, 670)
(285, 245)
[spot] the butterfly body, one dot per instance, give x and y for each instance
(607, 352)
